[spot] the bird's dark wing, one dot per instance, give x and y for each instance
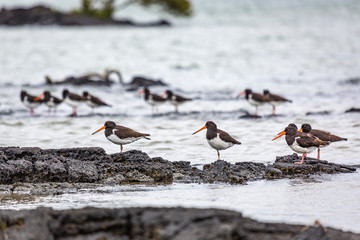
(226, 137)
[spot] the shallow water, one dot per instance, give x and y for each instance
(285, 46)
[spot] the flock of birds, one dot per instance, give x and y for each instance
(154, 100)
(301, 141)
(74, 100)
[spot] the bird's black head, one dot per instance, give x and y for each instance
(248, 91)
(290, 130)
(210, 125)
(266, 92)
(293, 125)
(65, 93)
(85, 94)
(22, 95)
(306, 127)
(169, 93)
(109, 125)
(47, 96)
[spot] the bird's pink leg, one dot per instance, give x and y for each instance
(302, 159)
(318, 157)
(218, 154)
(74, 112)
(273, 112)
(31, 111)
(121, 148)
(256, 112)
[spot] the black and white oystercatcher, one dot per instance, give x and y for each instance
(49, 100)
(93, 101)
(300, 142)
(152, 99)
(217, 138)
(175, 99)
(275, 100)
(322, 135)
(255, 99)
(72, 100)
(121, 135)
(29, 101)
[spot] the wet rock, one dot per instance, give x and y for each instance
(93, 165)
(318, 113)
(310, 166)
(353, 110)
(41, 15)
(273, 173)
(80, 171)
(152, 223)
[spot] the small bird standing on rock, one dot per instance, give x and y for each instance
(175, 99)
(152, 99)
(49, 100)
(93, 101)
(121, 135)
(322, 135)
(72, 100)
(275, 100)
(217, 138)
(300, 142)
(255, 99)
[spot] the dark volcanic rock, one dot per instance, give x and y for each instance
(152, 223)
(41, 15)
(93, 165)
(352, 110)
(310, 166)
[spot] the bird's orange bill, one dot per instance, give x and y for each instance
(38, 97)
(279, 135)
(163, 94)
(300, 130)
(98, 130)
(199, 130)
(241, 94)
(140, 92)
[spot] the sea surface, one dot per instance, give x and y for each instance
(305, 51)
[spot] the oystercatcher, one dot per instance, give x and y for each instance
(175, 99)
(93, 101)
(49, 100)
(152, 99)
(121, 135)
(300, 142)
(255, 99)
(217, 138)
(72, 100)
(275, 100)
(29, 101)
(322, 135)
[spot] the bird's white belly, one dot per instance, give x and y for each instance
(219, 144)
(253, 102)
(276, 103)
(152, 102)
(91, 103)
(50, 104)
(297, 148)
(114, 139)
(72, 102)
(30, 104)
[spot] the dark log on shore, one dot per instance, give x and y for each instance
(153, 223)
(93, 165)
(42, 15)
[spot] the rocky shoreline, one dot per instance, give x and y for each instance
(153, 223)
(49, 171)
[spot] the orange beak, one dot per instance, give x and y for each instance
(163, 94)
(38, 97)
(98, 130)
(279, 135)
(241, 94)
(140, 92)
(199, 130)
(300, 130)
